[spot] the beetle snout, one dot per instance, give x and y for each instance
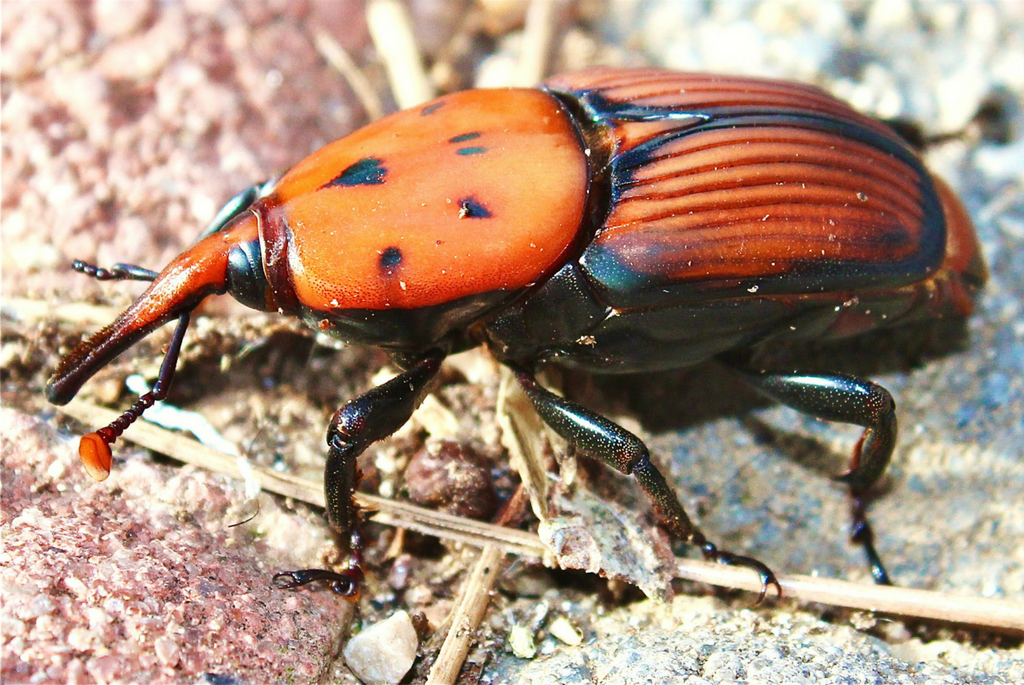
(208, 268)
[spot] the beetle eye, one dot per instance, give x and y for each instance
(345, 587)
(246, 280)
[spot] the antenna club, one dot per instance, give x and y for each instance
(96, 456)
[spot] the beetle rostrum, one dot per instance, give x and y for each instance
(614, 221)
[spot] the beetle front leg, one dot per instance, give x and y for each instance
(614, 445)
(361, 422)
(846, 399)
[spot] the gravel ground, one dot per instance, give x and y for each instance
(126, 124)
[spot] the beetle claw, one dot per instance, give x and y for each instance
(345, 583)
(766, 575)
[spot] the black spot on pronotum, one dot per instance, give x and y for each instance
(430, 109)
(390, 259)
(471, 209)
(368, 171)
(470, 150)
(464, 137)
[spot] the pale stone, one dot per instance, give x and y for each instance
(383, 653)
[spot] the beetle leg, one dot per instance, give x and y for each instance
(613, 444)
(846, 399)
(359, 423)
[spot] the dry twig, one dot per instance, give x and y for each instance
(387, 511)
(338, 58)
(22, 309)
(471, 605)
(538, 35)
(391, 30)
(469, 612)
(980, 611)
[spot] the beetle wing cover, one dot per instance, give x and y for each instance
(727, 186)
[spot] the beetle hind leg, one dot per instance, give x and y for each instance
(846, 399)
(613, 444)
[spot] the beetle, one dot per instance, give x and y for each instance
(613, 221)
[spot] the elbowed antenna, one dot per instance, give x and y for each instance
(205, 269)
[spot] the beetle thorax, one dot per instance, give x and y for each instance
(441, 213)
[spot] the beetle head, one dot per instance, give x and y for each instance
(227, 258)
(226, 261)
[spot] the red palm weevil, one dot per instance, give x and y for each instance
(612, 220)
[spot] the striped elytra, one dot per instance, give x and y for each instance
(721, 185)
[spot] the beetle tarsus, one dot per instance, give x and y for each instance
(862, 534)
(767, 576)
(345, 583)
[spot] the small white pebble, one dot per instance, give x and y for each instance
(383, 653)
(566, 631)
(520, 639)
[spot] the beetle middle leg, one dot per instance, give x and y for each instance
(613, 444)
(359, 423)
(846, 399)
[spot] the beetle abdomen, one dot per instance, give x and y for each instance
(727, 186)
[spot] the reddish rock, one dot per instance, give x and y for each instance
(448, 476)
(140, 578)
